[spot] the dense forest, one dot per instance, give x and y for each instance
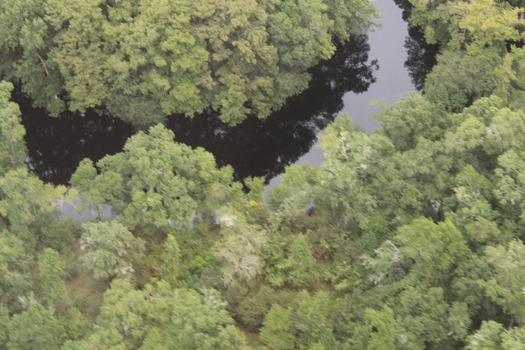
(142, 60)
(408, 238)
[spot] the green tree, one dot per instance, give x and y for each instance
(508, 190)
(310, 318)
(423, 253)
(26, 204)
(26, 41)
(474, 210)
(144, 60)
(423, 317)
(492, 336)
(35, 329)
(378, 332)
(12, 146)
(277, 332)
(160, 317)
(184, 319)
(460, 78)
(435, 249)
(300, 264)
(155, 182)
(122, 320)
(75, 323)
(171, 260)
(506, 286)
(110, 249)
(52, 272)
(410, 119)
(4, 327)
(15, 275)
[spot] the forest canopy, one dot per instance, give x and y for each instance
(143, 60)
(410, 237)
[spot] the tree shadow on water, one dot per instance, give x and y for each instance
(55, 146)
(253, 148)
(421, 57)
(264, 147)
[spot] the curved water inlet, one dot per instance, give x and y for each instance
(346, 83)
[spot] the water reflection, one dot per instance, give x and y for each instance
(421, 56)
(264, 148)
(56, 145)
(253, 148)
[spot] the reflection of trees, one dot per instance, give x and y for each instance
(264, 148)
(56, 145)
(253, 148)
(421, 56)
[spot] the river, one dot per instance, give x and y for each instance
(392, 80)
(369, 67)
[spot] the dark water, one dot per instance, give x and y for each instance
(365, 68)
(264, 147)
(403, 60)
(56, 145)
(421, 57)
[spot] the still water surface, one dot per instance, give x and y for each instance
(370, 67)
(391, 82)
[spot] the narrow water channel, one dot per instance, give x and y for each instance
(392, 79)
(367, 68)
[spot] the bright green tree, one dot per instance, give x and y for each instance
(155, 182)
(110, 249)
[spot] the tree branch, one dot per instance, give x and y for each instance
(43, 64)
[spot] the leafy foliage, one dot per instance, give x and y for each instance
(144, 60)
(111, 249)
(408, 238)
(35, 328)
(156, 182)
